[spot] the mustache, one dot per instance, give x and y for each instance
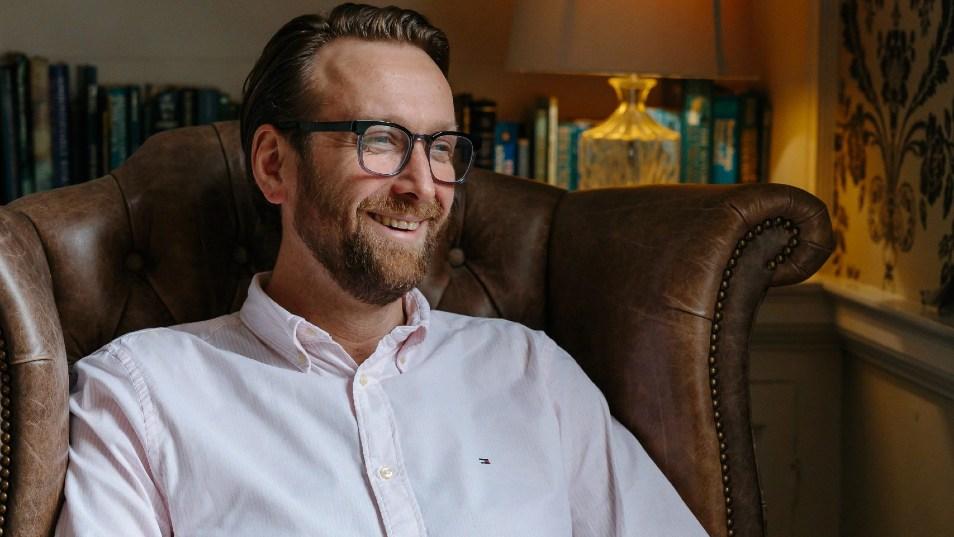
(388, 204)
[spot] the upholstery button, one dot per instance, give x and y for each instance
(455, 257)
(134, 262)
(240, 255)
(385, 472)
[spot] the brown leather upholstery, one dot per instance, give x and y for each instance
(653, 290)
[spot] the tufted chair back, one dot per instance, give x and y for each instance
(652, 289)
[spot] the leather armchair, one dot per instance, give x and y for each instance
(652, 289)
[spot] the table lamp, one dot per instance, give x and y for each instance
(634, 42)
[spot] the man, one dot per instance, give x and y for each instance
(335, 402)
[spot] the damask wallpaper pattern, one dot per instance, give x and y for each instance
(894, 146)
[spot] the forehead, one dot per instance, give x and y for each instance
(356, 79)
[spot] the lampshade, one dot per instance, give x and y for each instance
(658, 38)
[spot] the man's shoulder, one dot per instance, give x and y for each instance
(162, 340)
(488, 331)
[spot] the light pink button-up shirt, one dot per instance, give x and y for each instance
(259, 424)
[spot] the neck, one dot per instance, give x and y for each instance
(305, 288)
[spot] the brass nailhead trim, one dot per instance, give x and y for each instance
(717, 324)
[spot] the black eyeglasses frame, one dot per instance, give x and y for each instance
(360, 126)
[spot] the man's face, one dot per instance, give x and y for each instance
(374, 235)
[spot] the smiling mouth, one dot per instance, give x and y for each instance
(395, 223)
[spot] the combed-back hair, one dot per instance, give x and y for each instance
(277, 88)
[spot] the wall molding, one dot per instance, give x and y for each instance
(904, 339)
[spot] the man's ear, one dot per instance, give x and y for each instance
(272, 162)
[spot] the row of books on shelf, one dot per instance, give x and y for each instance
(57, 129)
(724, 137)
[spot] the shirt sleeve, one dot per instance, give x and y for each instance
(110, 488)
(615, 489)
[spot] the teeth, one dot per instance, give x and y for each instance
(397, 224)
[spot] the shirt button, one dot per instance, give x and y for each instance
(363, 380)
(402, 360)
(302, 359)
(385, 472)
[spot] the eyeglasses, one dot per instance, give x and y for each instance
(384, 148)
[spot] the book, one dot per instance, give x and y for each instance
(207, 106)
(90, 137)
(22, 121)
(726, 127)
(523, 157)
(505, 147)
(60, 123)
(164, 104)
(696, 136)
(568, 143)
(134, 123)
(553, 118)
(187, 107)
(483, 117)
(117, 97)
(40, 112)
(9, 172)
(749, 137)
(540, 118)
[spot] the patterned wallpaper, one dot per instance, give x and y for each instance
(894, 146)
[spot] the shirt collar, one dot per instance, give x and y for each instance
(283, 331)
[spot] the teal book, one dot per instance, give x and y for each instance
(696, 135)
(726, 128)
(23, 121)
(116, 99)
(207, 106)
(568, 150)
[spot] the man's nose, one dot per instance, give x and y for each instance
(416, 179)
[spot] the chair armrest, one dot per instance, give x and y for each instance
(654, 291)
(35, 384)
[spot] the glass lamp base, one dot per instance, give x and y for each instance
(630, 147)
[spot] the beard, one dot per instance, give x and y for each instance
(369, 266)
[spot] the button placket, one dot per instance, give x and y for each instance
(383, 463)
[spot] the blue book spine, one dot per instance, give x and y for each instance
(726, 127)
(60, 123)
(8, 153)
(118, 145)
(696, 136)
(505, 147)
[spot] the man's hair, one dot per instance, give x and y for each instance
(277, 88)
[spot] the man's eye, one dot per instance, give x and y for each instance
(380, 141)
(442, 150)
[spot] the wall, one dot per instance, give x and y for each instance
(892, 184)
(899, 456)
(894, 180)
(216, 43)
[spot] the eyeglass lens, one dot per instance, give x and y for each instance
(383, 149)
